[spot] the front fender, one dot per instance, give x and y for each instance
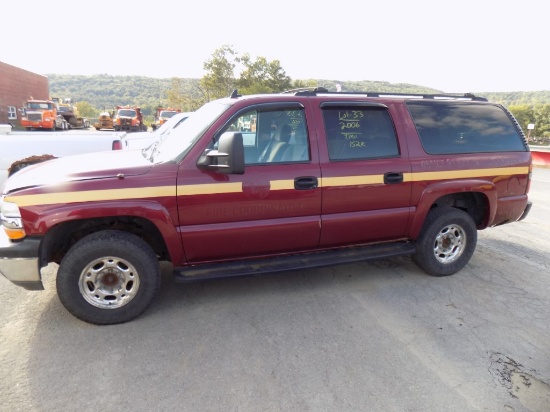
(150, 210)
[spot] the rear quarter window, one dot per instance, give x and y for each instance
(458, 127)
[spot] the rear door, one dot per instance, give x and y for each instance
(274, 207)
(364, 164)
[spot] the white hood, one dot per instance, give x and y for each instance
(79, 167)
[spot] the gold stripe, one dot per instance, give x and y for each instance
(236, 187)
(281, 184)
(210, 189)
(352, 180)
(456, 174)
(419, 177)
(92, 195)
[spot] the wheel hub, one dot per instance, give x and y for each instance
(109, 282)
(450, 243)
(109, 278)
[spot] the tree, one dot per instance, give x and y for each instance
(524, 114)
(184, 95)
(219, 80)
(542, 120)
(256, 76)
(86, 109)
(300, 84)
(261, 76)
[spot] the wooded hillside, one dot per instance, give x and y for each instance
(106, 91)
(103, 92)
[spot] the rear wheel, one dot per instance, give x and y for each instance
(447, 241)
(108, 277)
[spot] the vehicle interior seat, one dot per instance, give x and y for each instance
(297, 150)
(279, 144)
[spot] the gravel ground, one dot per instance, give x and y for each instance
(378, 336)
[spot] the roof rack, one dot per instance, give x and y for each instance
(319, 90)
(234, 94)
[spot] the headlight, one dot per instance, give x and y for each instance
(11, 220)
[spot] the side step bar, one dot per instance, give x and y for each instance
(252, 267)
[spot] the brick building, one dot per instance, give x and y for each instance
(16, 87)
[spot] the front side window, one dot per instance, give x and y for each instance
(271, 136)
(12, 112)
(448, 127)
(356, 132)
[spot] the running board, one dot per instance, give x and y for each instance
(252, 267)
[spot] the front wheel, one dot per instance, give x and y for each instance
(447, 241)
(108, 277)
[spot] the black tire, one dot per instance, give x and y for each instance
(108, 277)
(447, 241)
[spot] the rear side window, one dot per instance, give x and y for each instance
(448, 127)
(357, 132)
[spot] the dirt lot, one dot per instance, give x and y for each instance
(379, 336)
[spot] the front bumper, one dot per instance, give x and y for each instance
(19, 262)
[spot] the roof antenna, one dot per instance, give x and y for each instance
(235, 94)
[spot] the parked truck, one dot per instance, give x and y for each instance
(162, 115)
(21, 148)
(129, 118)
(68, 110)
(40, 114)
(104, 122)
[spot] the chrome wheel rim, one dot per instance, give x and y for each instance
(109, 282)
(449, 244)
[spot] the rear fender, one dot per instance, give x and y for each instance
(435, 191)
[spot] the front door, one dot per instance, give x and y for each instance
(274, 207)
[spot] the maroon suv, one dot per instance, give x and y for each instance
(265, 183)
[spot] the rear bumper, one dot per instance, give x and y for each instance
(526, 210)
(19, 262)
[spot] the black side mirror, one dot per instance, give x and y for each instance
(229, 158)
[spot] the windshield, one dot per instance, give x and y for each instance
(39, 105)
(166, 114)
(127, 113)
(180, 140)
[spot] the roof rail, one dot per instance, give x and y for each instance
(315, 91)
(307, 91)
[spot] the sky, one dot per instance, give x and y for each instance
(456, 47)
